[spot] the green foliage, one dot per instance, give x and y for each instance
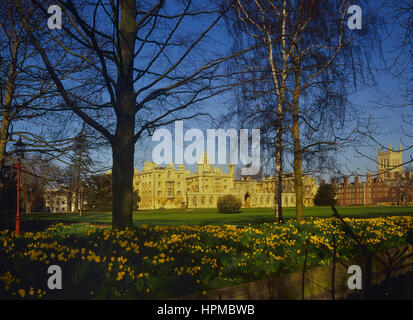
(325, 195)
(229, 204)
(98, 193)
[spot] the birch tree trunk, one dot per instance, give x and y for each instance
(298, 163)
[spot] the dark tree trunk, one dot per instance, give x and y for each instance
(3, 142)
(6, 115)
(27, 205)
(76, 208)
(123, 144)
(278, 174)
(69, 201)
(122, 180)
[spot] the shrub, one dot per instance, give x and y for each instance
(228, 204)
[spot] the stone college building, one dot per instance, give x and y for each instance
(171, 188)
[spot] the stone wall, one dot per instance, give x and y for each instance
(317, 280)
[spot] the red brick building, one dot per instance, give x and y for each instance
(389, 186)
(375, 190)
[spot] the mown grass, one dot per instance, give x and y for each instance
(212, 216)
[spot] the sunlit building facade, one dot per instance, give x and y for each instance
(174, 188)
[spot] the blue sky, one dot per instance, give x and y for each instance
(374, 102)
(382, 103)
(377, 103)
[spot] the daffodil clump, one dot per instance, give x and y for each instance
(168, 261)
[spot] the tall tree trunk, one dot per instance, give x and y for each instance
(280, 91)
(27, 205)
(122, 181)
(78, 204)
(278, 173)
(6, 113)
(298, 169)
(4, 133)
(76, 207)
(69, 201)
(123, 146)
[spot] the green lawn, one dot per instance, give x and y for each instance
(212, 216)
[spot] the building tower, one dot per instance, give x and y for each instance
(389, 162)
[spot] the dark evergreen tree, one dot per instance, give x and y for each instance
(98, 192)
(325, 196)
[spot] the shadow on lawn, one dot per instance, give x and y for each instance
(7, 221)
(253, 217)
(33, 222)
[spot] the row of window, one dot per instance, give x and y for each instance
(341, 191)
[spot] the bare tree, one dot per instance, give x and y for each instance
(314, 59)
(143, 71)
(263, 75)
(27, 94)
